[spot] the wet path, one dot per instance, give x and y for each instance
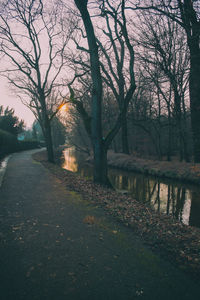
(48, 251)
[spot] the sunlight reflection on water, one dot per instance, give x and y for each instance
(165, 196)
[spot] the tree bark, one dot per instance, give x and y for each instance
(194, 85)
(191, 25)
(99, 150)
(124, 132)
(48, 140)
(46, 126)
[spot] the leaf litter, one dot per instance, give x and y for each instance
(170, 238)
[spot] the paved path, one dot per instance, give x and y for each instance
(48, 252)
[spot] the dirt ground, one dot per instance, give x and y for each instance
(175, 241)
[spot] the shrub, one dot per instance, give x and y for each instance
(27, 145)
(10, 144)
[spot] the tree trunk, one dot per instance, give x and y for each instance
(99, 151)
(194, 85)
(101, 166)
(185, 145)
(124, 133)
(46, 127)
(48, 140)
(185, 134)
(192, 28)
(169, 144)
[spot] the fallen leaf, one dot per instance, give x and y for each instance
(89, 220)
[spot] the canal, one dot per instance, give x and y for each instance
(180, 200)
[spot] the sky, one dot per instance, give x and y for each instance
(7, 98)
(20, 34)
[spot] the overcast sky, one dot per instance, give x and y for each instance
(8, 99)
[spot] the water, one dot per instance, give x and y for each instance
(167, 196)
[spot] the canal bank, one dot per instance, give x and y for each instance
(170, 238)
(182, 171)
(174, 197)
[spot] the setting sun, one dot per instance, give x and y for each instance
(63, 107)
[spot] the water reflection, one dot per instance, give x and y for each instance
(165, 196)
(194, 212)
(70, 160)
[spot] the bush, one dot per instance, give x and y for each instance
(10, 144)
(27, 145)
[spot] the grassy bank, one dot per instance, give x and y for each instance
(182, 171)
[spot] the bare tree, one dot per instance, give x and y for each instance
(32, 44)
(100, 143)
(99, 150)
(186, 13)
(165, 59)
(118, 60)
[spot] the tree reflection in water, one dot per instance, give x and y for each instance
(165, 196)
(194, 216)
